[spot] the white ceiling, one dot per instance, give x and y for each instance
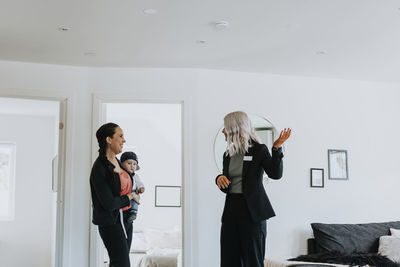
(351, 39)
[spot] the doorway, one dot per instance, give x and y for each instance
(31, 172)
(154, 132)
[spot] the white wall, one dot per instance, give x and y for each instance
(358, 116)
(28, 239)
(153, 132)
(72, 82)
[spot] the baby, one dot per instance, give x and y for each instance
(129, 161)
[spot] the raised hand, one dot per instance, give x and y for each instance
(285, 134)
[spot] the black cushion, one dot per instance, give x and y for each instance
(311, 246)
(349, 238)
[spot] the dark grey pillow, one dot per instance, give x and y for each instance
(350, 238)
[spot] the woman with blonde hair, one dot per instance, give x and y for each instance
(247, 207)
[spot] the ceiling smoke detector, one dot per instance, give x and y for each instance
(221, 25)
(63, 29)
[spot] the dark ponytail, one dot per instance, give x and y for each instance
(106, 130)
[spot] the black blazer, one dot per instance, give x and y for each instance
(105, 187)
(253, 190)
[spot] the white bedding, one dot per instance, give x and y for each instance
(156, 248)
(158, 261)
(285, 263)
(161, 258)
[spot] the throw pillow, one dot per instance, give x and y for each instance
(350, 238)
(389, 246)
(139, 244)
(395, 232)
(156, 238)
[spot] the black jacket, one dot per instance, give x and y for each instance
(253, 190)
(105, 187)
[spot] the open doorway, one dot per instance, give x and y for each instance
(31, 140)
(154, 132)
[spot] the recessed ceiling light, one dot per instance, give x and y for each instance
(220, 25)
(90, 54)
(150, 11)
(63, 29)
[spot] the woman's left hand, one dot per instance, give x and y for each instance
(285, 134)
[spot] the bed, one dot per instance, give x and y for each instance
(161, 258)
(156, 248)
(365, 244)
(286, 263)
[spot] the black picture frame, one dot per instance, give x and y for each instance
(161, 190)
(337, 164)
(317, 177)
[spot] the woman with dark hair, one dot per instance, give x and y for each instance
(111, 187)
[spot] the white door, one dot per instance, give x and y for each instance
(154, 132)
(29, 172)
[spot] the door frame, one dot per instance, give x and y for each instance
(98, 115)
(64, 164)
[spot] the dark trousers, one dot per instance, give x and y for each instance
(243, 244)
(117, 245)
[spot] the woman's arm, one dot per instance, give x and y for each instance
(108, 201)
(273, 166)
(221, 180)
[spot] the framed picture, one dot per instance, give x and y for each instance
(316, 177)
(168, 196)
(337, 162)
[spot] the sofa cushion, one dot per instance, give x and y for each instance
(350, 238)
(395, 232)
(389, 246)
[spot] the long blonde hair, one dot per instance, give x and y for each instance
(240, 133)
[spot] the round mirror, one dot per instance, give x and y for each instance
(264, 129)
